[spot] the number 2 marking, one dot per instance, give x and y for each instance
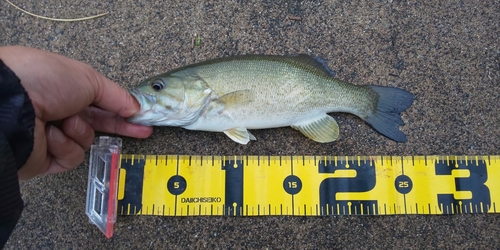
(364, 181)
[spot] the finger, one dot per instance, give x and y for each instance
(104, 121)
(79, 131)
(66, 153)
(111, 97)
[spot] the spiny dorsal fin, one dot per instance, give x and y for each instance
(314, 65)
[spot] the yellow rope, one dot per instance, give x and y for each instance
(57, 19)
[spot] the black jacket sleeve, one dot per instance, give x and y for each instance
(17, 120)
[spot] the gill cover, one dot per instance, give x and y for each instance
(177, 102)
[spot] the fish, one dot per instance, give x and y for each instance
(237, 93)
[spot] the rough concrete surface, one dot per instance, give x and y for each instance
(445, 52)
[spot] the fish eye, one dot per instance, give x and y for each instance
(157, 85)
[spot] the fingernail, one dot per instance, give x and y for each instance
(79, 126)
(57, 135)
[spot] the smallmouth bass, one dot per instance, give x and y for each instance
(237, 93)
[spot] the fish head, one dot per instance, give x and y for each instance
(170, 100)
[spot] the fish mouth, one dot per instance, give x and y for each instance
(146, 101)
(143, 116)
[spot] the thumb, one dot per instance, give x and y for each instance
(111, 97)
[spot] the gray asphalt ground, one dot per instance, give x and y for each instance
(445, 52)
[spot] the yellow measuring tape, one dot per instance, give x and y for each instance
(182, 185)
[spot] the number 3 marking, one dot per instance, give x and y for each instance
(480, 201)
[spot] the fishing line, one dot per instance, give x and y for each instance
(56, 19)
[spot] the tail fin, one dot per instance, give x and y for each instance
(391, 102)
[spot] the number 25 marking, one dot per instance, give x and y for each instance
(403, 184)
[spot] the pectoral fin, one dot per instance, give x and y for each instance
(239, 135)
(236, 98)
(321, 129)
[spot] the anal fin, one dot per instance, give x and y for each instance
(239, 135)
(321, 129)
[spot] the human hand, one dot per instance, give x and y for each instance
(71, 101)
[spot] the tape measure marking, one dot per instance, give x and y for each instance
(177, 185)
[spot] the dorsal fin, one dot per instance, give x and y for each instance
(312, 64)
